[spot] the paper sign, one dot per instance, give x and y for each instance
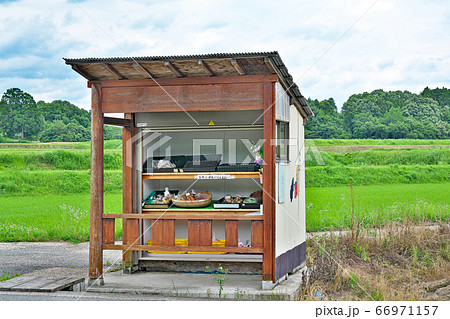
(215, 177)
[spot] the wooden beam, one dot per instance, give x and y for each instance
(269, 65)
(142, 70)
(174, 69)
(256, 250)
(183, 98)
(179, 214)
(237, 66)
(203, 80)
(96, 211)
(113, 71)
(269, 183)
(206, 68)
(83, 73)
(117, 121)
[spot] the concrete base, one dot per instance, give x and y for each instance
(199, 285)
(92, 282)
(79, 287)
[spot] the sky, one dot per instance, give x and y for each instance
(331, 48)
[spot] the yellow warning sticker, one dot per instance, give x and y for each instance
(211, 123)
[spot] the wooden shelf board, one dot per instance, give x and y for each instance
(190, 214)
(192, 175)
(184, 248)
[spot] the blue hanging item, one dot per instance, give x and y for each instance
(291, 193)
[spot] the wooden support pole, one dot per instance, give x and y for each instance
(130, 231)
(269, 183)
(96, 212)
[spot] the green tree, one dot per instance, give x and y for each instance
(327, 122)
(19, 115)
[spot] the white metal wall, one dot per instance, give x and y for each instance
(290, 225)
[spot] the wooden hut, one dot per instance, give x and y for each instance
(197, 110)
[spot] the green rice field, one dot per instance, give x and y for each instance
(44, 187)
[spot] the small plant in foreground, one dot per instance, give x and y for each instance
(7, 277)
(220, 276)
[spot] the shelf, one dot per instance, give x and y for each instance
(201, 175)
(205, 214)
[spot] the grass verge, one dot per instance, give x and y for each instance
(407, 261)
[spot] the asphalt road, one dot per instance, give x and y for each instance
(27, 257)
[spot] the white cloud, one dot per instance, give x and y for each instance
(395, 45)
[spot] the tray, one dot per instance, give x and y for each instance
(204, 166)
(252, 167)
(220, 204)
(251, 205)
(158, 206)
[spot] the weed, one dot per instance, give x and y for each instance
(239, 293)
(7, 277)
(220, 276)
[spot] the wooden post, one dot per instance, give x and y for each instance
(96, 212)
(268, 272)
(130, 228)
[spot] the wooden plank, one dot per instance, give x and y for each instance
(257, 233)
(205, 235)
(234, 175)
(231, 233)
(7, 284)
(168, 232)
(108, 231)
(217, 97)
(157, 232)
(255, 250)
(132, 230)
(117, 121)
(194, 232)
(96, 208)
(269, 182)
(186, 81)
(184, 215)
(61, 284)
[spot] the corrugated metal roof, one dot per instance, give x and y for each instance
(87, 68)
(174, 57)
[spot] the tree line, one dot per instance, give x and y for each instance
(375, 115)
(58, 121)
(381, 115)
